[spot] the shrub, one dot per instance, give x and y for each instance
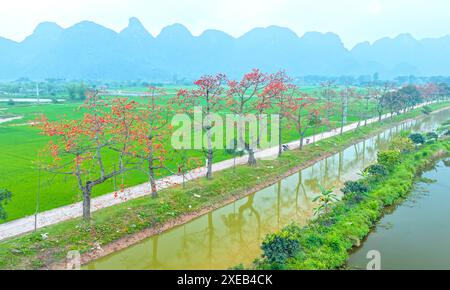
(417, 138)
(354, 198)
(405, 133)
(432, 136)
(405, 145)
(11, 102)
(377, 170)
(313, 241)
(358, 187)
(5, 197)
(239, 267)
(326, 220)
(427, 110)
(279, 247)
(389, 158)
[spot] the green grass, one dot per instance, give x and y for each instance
(325, 243)
(31, 251)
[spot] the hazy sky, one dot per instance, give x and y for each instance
(353, 20)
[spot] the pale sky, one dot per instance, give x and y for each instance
(353, 20)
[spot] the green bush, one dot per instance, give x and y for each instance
(432, 136)
(404, 144)
(279, 247)
(239, 267)
(389, 158)
(377, 170)
(358, 187)
(417, 138)
(5, 197)
(11, 102)
(354, 198)
(427, 110)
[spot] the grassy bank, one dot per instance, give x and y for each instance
(325, 243)
(175, 205)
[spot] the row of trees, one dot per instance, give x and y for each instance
(132, 134)
(76, 91)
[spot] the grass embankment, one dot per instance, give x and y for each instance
(174, 206)
(325, 243)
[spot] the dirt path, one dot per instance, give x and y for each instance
(27, 224)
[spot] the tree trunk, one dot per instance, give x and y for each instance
(151, 174)
(367, 113)
(87, 203)
(280, 144)
(209, 156)
(302, 139)
(153, 184)
(251, 157)
(258, 140)
(241, 132)
(344, 113)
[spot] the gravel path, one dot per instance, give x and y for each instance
(27, 224)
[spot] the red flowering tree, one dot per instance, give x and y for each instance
(328, 96)
(208, 96)
(78, 147)
(430, 92)
(361, 102)
(151, 128)
(262, 106)
(241, 96)
(303, 114)
(345, 96)
(281, 93)
(378, 95)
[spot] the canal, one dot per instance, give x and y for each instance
(232, 235)
(414, 235)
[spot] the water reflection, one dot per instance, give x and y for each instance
(232, 235)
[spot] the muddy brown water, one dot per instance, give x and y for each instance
(232, 235)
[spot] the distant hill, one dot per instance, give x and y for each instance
(90, 51)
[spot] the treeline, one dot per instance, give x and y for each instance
(65, 89)
(375, 80)
(71, 89)
(51, 88)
